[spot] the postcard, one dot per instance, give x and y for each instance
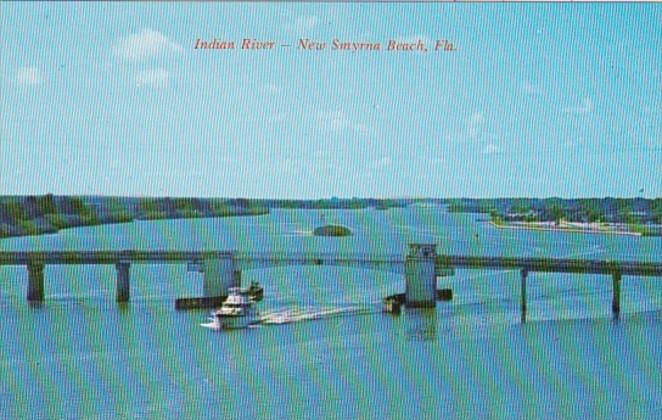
(311, 210)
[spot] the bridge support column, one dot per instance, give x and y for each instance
(123, 283)
(35, 282)
(523, 274)
(219, 275)
(420, 278)
(616, 297)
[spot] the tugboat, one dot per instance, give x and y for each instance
(255, 292)
(237, 311)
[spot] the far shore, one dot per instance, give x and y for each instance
(53, 224)
(574, 227)
(53, 231)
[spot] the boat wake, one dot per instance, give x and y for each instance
(311, 313)
(211, 325)
(299, 314)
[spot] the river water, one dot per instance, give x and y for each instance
(326, 350)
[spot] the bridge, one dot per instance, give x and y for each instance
(420, 266)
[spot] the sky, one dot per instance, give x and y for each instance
(538, 100)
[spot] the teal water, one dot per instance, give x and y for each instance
(328, 351)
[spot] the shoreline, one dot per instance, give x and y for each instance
(547, 228)
(56, 230)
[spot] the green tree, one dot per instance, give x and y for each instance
(557, 212)
(592, 211)
(14, 211)
(46, 204)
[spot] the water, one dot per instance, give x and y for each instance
(325, 349)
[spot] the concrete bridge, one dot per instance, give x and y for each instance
(420, 266)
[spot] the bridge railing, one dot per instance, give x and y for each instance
(104, 257)
(336, 256)
(442, 261)
(553, 265)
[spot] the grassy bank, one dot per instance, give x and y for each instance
(35, 215)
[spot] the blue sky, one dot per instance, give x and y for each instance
(538, 100)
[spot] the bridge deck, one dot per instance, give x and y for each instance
(107, 257)
(634, 268)
(559, 265)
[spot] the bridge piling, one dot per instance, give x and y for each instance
(219, 275)
(123, 281)
(616, 293)
(523, 275)
(420, 277)
(35, 281)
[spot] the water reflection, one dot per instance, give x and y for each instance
(421, 324)
(36, 304)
